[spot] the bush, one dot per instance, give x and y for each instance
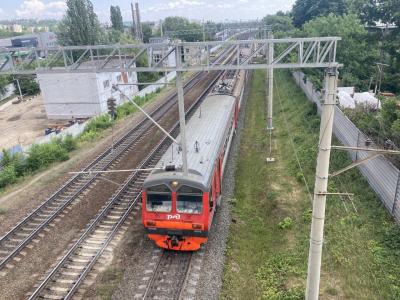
(41, 156)
(7, 176)
(286, 223)
(99, 123)
(69, 143)
(16, 160)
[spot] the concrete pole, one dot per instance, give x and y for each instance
(181, 106)
(321, 185)
(19, 88)
(270, 72)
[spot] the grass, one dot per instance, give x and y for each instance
(109, 280)
(268, 244)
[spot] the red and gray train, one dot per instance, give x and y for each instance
(178, 209)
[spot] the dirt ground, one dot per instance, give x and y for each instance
(22, 123)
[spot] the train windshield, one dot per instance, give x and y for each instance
(159, 199)
(189, 200)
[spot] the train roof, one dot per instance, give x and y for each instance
(205, 134)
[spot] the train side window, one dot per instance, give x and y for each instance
(159, 198)
(189, 200)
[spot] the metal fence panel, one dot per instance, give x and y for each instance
(380, 173)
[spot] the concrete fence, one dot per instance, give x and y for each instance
(381, 174)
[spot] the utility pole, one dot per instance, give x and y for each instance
(204, 34)
(181, 106)
(270, 80)
(321, 186)
(270, 75)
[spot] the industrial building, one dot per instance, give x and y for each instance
(83, 95)
(156, 53)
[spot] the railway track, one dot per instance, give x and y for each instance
(28, 229)
(169, 277)
(64, 279)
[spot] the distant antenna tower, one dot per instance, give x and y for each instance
(136, 25)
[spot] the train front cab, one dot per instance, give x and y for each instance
(177, 215)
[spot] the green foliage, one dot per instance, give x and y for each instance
(353, 51)
(306, 10)
(183, 28)
(4, 81)
(41, 156)
(389, 112)
(69, 143)
(147, 32)
(8, 34)
(361, 244)
(148, 77)
(80, 25)
(281, 22)
(99, 123)
(8, 176)
(273, 275)
(116, 18)
(286, 223)
(28, 84)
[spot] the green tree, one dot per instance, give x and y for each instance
(147, 32)
(353, 50)
(306, 10)
(80, 25)
(4, 81)
(28, 85)
(280, 22)
(183, 29)
(116, 18)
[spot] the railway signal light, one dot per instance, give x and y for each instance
(112, 107)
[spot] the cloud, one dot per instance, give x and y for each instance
(39, 10)
(175, 5)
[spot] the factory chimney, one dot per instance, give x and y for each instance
(136, 25)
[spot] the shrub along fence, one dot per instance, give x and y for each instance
(380, 173)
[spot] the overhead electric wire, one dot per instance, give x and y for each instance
(292, 141)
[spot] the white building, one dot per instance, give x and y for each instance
(16, 28)
(156, 53)
(82, 95)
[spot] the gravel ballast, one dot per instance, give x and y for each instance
(210, 282)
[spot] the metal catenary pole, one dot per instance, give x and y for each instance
(270, 81)
(181, 105)
(321, 184)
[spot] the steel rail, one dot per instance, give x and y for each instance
(181, 280)
(114, 199)
(194, 80)
(75, 178)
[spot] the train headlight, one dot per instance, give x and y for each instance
(174, 184)
(197, 226)
(151, 223)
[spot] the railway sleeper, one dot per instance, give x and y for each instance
(65, 281)
(90, 247)
(22, 234)
(52, 297)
